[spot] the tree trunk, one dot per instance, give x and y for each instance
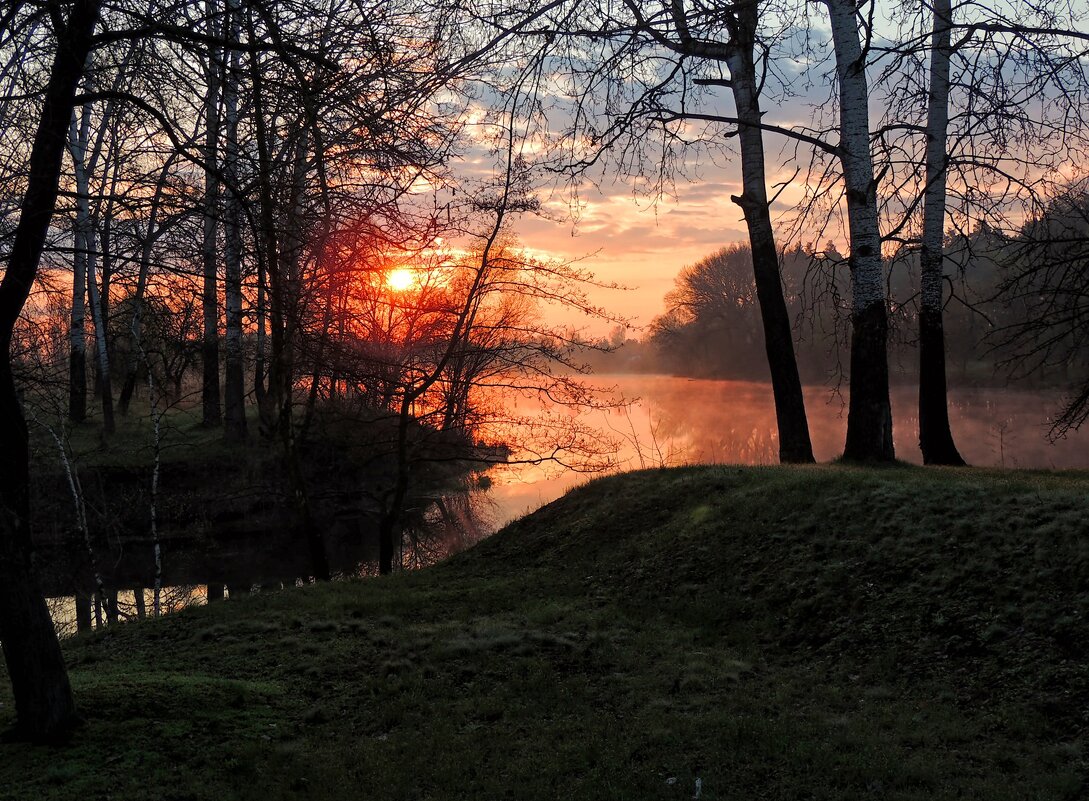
(77, 337)
(391, 515)
(136, 327)
(44, 706)
(102, 357)
(259, 338)
(78, 137)
(141, 603)
(214, 592)
(83, 613)
(935, 435)
(385, 544)
(794, 442)
(112, 615)
(235, 388)
(102, 320)
(83, 160)
(869, 416)
(209, 296)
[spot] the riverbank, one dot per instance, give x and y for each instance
(756, 633)
(228, 513)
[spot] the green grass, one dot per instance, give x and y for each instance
(182, 438)
(775, 633)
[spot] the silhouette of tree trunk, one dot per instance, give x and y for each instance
(682, 28)
(211, 410)
(77, 359)
(234, 384)
(100, 300)
(83, 612)
(794, 442)
(44, 706)
(935, 436)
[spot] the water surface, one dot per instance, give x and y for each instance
(679, 421)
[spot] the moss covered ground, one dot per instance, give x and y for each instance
(720, 633)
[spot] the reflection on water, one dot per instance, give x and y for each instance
(197, 571)
(675, 421)
(678, 421)
(120, 607)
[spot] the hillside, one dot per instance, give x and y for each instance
(726, 633)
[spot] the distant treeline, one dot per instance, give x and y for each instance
(712, 328)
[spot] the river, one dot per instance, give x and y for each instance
(652, 421)
(672, 421)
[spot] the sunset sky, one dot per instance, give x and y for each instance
(640, 244)
(631, 240)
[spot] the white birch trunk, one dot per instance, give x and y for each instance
(867, 273)
(869, 419)
(78, 146)
(935, 433)
(794, 441)
(937, 135)
(75, 487)
(235, 390)
(77, 331)
(210, 295)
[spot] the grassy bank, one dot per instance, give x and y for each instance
(772, 633)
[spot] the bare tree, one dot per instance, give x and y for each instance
(234, 384)
(1047, 278)
(869, 418)
(44, 705)
(935, 435)
(210, 395)
(1001, 117)
(644, 68)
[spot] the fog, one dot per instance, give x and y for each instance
(678, 421)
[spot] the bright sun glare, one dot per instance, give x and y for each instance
(399, 280)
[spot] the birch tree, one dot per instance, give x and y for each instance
(210, 390)
(77, 367)
(234, 385)
(739, 54)
(869, 418)
(1001, 121)
(935, 435)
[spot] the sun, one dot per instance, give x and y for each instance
(400, 279)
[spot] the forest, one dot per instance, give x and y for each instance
(998, 306)
(276, 303)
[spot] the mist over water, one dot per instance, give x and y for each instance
(681, 421)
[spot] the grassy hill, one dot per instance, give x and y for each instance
(726, 633)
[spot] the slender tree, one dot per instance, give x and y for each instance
(935, 435)
(234, 384)
(869, 417)
(794, 442)
(210, 390)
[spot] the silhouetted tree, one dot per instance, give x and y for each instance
(44, 705)
(642, 66)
